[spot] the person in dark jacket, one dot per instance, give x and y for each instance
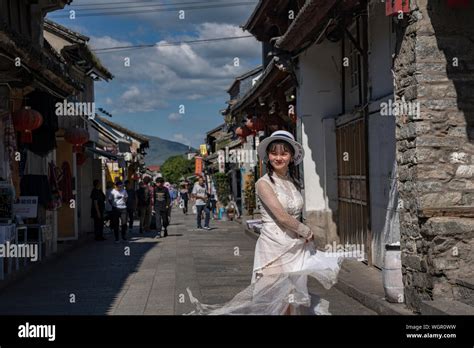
(97, 210)
(162, 205)
(183, 192)
(131, 203)
(145, 204)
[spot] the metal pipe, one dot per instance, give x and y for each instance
(365, 37)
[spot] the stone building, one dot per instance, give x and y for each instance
(386, 116)
(434, 66)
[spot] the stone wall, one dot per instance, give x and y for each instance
(434, 66)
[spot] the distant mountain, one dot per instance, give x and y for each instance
(160, 150)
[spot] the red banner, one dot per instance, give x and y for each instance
(395, 7)
(199, 163)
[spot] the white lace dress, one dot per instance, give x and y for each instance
(283, 260)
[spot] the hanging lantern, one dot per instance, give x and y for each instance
(25, 121)
(77, 137)
(249, 123)
(273, 120)
(255, 124)
(81, 158)
(243, 132)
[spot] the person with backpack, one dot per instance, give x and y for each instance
(161, 207)
(145, 204)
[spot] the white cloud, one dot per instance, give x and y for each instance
(136, 100)
(180, 138)
(175, 117)
(185, 72)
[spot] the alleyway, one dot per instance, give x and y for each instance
(153, 279)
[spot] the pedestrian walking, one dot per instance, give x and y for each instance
(162, 206)
(97, 210)
(145, 204)
(131, 203)
(202, 203)
(118, 198)
(183, 192)
(213, 200)
(108, 205)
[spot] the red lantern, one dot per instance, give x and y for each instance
(243, 132)
(77, 137)
(255, 124)
(25, 121)
(81, 158)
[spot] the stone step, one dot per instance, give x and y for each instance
(465, 291)
(445, 307)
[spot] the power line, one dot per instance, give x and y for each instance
(190, 42)
(142, 5)
(134, 2)
(154, 10)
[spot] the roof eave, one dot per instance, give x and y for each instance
(307, 22)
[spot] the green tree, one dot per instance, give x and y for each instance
(176, 167)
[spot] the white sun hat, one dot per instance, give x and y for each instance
(284, 136)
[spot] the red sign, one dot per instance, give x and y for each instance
(395, 7)
(199, 168)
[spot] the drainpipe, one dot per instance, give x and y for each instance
(365, 94)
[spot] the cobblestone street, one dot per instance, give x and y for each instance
(101, 279)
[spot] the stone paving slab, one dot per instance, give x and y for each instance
(153, 278)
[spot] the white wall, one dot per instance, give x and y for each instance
(382, 144)
(319, 97)
(382, 46)
(383, 183)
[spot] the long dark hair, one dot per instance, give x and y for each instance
(292, 169)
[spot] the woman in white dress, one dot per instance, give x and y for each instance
(285, 254)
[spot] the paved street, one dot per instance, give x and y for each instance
(101, 278)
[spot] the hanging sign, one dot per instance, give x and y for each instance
(395, 7)
(199, 164)
(26, 207)
(6, 202)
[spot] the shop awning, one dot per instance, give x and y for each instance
(102, 153)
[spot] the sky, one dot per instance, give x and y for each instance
(148, 95)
